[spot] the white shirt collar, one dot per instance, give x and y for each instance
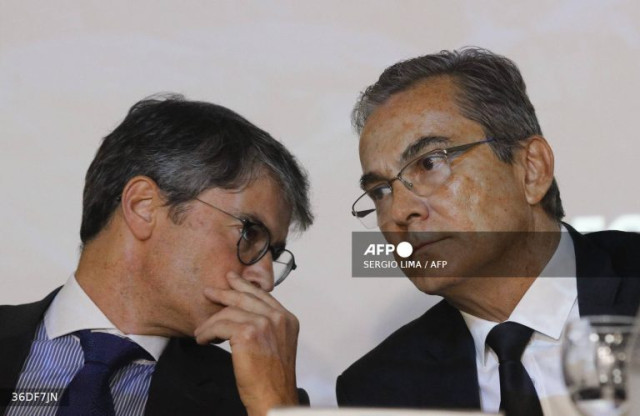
(73, 310)
(535, 310)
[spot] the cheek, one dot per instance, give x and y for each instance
(176, 271)
(490, 200)
(458, 203)
(506, 199)
(184, 258)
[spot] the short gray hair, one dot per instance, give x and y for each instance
(187, 147)
(491, 93)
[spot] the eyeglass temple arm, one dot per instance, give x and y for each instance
(363, 213)
(465, 147)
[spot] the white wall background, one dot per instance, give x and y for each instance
(69, 71)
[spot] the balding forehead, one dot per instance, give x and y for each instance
(436, 93)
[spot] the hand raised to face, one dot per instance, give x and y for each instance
(263, 336)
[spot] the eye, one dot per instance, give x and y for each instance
(428, 162)
(379, 192)
(252, 233)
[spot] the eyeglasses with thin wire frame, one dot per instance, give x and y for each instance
(421, 175)
(255, 242)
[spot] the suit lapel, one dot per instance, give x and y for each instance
(19, 325)
(450, 378)
(459, 357)
(597, 281)
(190, 379)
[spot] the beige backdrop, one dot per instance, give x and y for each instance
(69, 70)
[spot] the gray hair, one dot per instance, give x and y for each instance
(187, 147)
(491, 92)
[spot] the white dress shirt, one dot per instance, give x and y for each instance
(56, 356)
(547, 306)
(73, 310)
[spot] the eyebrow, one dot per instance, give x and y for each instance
(409, 153)
(245, 216)
(369, 177)
(416, 147)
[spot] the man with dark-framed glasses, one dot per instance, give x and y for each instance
(454, 162)
(186, 211)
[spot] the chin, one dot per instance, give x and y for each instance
(435, 285)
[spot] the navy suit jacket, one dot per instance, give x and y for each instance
(430, 362)
(189, 379)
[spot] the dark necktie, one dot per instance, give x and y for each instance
(89, 394)
(517, 395)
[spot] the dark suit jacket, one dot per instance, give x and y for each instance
(430, 362)
(189, 379)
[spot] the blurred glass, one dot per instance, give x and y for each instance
(595, 363)
(633, 382)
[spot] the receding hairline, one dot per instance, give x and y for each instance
(450, 81)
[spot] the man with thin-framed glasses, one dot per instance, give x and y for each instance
(455, 163)
(186, 211)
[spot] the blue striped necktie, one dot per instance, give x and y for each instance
(89, 394)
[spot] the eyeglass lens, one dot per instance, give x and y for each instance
(282, 266)
(422, 176)
(254, 244)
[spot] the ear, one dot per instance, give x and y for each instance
(538, 169)
(140, 201)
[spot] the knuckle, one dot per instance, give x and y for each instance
(278, 318)
(262, 323)
(248, 332)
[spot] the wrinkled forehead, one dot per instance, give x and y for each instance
(427, 109)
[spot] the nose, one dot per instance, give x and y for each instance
(406, 207)
(260, 273)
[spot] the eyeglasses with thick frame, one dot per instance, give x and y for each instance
(255, 242)
(415, 182)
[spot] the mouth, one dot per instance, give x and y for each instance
(421, 246)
